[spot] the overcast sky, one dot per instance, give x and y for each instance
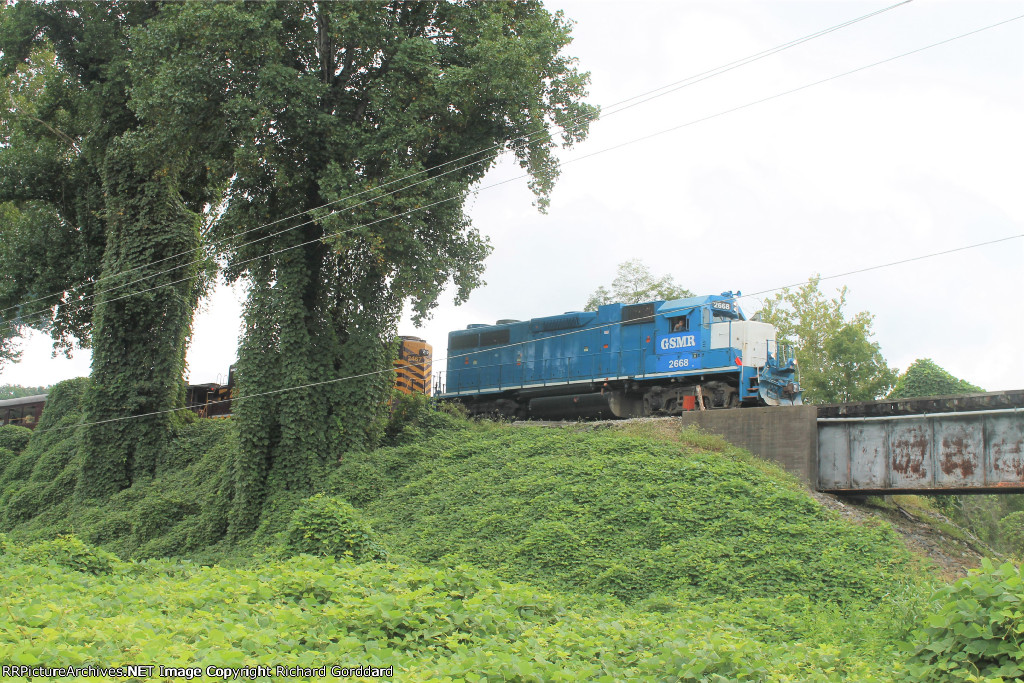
(918, 155)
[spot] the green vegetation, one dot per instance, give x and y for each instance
(14, 438)
(635, 283)
(472, 550)
(327, 525)
(1011, 532)
(68, 552)
(925, 378)
(613, 513)
(183, 511)
(427, 622)
(977, 630)
(141, 135)
(838, 360)
(995, 519)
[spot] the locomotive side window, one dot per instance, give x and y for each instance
(638, 313)
(492, 337)
(681, 324)
(465, 341)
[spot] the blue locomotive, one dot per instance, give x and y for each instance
(623, 360)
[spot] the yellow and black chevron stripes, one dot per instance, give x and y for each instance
(413, 366)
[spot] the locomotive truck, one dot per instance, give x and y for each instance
(622, 360)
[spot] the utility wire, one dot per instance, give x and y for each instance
(575, 124)
(450, 356)
(580, 158)
(893, 263)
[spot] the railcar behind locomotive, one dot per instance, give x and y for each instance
(622, 360)
(412, 375)
(24, 411)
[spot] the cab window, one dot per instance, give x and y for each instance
(680, 324)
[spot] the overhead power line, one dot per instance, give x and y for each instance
(583, 157)
(894, 263)
(574, 124)
(312, 385)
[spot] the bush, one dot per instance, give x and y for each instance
(406, 409)
(925, 378)
(975, 632)
(327, 525)
(14, 438)
(107, 526)
(1011, 532)
(415, 417)
(72, 553)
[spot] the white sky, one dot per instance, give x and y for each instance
(923, 154)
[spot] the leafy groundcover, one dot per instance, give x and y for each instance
(454, 623)
(473, 551)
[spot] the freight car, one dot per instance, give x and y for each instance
(622, 360)
(206, 400)
(24, 411)
(412, 371)
(211, 400)
(412, 375)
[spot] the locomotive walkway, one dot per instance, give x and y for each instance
(945, 445)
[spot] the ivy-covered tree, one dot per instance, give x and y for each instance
(925, 378)
(100, 204)
(838, 361)
(635, 283)
(336, 105)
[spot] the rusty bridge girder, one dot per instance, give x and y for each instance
(971, 451)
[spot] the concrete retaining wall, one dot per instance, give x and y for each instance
(787, 435)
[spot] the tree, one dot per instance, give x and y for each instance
(97, 195)
(336, 105)
(136, 130)
(50, 234)
(838, 361)
(925, 378)
(634, 283)
(16, 391)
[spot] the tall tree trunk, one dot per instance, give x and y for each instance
(296, 335)
(140, 336)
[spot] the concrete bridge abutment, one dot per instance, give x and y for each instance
(785, 435)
